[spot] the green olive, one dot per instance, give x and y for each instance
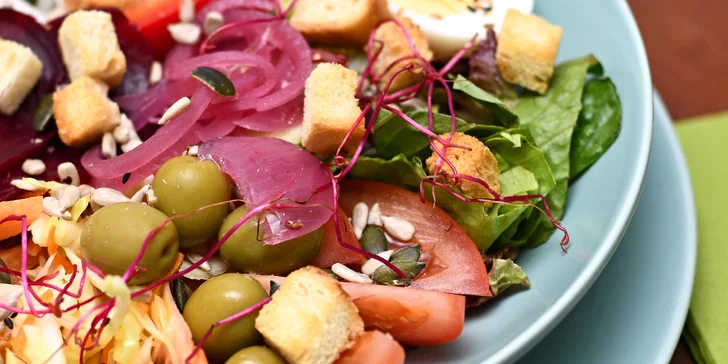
(113, 236)
(256, 355)
(184, 184)
(245, 251)
(220, 298)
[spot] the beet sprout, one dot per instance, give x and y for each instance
(227, 320)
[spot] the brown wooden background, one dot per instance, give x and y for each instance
(687, 45)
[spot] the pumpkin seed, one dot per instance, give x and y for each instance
(179, 293)
(332, 274)
(408, 254)
(384, 275)
(215, 80)
(5, 277)
(43, 113)
(274, 286)
(373, 240)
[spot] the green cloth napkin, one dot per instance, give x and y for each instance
(704, 143)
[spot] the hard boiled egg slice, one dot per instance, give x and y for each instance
(449, 24)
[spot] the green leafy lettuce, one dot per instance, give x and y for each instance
(500, 110)
(506, 274)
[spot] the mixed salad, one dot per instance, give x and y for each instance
(250, 181)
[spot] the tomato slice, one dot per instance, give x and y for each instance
(412, 316)
(375, 347)
(454, 264)
(331, 251)
(152, 17)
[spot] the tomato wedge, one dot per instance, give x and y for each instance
(375, 347)
(454, 264)
(331, 251)
(152, 18)
(412, 316)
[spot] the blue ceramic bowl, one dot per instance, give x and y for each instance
(599, 207)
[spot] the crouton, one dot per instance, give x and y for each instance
(84, 112)
(90, 48)
(477, 162)
(73, 5)
(527, 48)
(310, 320)
(395, 46)
(338, 22)
(21, 70)
(330, 108)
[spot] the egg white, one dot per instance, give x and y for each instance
(449, 34)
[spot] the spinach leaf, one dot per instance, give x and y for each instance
(516, 181)
(398, 171)
(551, 119)
(500, 111)
(394, 136)
(598, 125)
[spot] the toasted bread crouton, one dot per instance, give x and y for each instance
(477, 162)
(527, 47)
(73, 5)
(395, 46)
(330, 108)
(90, 48)
(310, 320)
(21, 69)
(84, 112)
(338, 22)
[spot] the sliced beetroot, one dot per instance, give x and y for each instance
(18, 138)
(268, 170)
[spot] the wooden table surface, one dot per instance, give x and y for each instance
(687, 46)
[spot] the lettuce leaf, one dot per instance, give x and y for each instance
(394, 136)
(399, 171)
(500, 111)
(598, 126)
(506, 274)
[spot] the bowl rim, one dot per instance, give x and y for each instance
(527, 339)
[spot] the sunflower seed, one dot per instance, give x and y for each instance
(375, 216)
(85, 190)
(185, 33)
(67, 195)
(108, 196)
(372, 264)
(174, 110)
(196, 257)
(131, 145)
(67, 170)
(359, 218)
(33, 167)
(186, 11)
(399, 228)
(151, 198)
(213, 21)
(155, 73)
(350, 275)
(25, 186)
(121, 134)
(108, 146)
(52, 207)
(138, 197)
(193, 150)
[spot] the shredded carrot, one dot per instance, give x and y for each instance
(105, 352)
(31, 208)
(18, 341)
(30, 194)
(60, 258)
(142, 307)
(175, 268)
(12, 257)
